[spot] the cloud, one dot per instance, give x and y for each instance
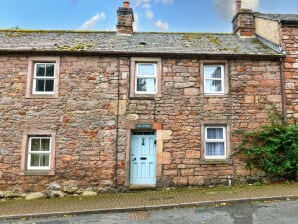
(166, 2)
(149, 14)
(163, 26)
(136, 22)
(226, 8)
(146, 6)
(93, 21)
(250, 4)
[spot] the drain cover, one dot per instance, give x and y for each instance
(140, 215)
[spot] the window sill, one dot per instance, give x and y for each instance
(42, 96)
(215, 95)
(145, 96)
(37, 173)
(216, 162)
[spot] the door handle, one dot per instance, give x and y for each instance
(143, 158)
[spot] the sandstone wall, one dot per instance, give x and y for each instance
(289, 42)
(85, 119)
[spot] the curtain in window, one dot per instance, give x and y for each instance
(215, 133)
(215, 148)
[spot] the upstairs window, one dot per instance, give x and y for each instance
(215, 142)
(214, 79)
(145, 77)
(44, 78)
(146, 82)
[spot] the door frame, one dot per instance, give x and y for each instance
(144, 185)
(157, 127)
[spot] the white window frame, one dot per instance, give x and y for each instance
(35, 78)
(222, 79)
(146, 77)
(29, 167)
(224, 140)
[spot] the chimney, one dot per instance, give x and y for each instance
(243, 21)
(238, 5)
(125, 19)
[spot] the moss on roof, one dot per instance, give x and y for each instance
(139, 42)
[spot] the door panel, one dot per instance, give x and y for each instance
(143, 158)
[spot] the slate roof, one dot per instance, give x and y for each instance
(282, 18)
(213, 44)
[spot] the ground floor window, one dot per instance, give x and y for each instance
(38, 153)
(215, 142)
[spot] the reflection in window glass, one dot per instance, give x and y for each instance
(146, 78)
(213, 79)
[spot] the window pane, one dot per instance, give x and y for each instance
(49, 86)
(215, 149)
(35, 144)
(45, 145)
(212, 72)
(146, 85)
(40, 70)
(44, 160)
(213, 86)
(34, 160)
(39, 85)
(214, 133)
(146, 69)
(50, 70)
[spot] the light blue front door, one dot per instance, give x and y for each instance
(143, 158)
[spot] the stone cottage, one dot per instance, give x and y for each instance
(130, 109)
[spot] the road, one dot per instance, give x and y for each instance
(273, 212)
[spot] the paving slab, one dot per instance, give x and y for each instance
(146, 200)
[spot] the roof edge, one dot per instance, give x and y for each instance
(144, 54)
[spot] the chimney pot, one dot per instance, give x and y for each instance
(238, 5)
(126, 4)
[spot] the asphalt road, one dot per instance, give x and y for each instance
(273, 212)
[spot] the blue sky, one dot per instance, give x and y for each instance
(151, 15)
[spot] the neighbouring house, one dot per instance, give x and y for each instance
(131, 109)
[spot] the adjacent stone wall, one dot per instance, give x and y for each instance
(289, 40)
(85, 119)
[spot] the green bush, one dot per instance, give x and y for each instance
(272, 148)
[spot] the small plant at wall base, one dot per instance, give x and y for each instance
(273, 148)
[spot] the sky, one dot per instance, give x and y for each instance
(150, 15)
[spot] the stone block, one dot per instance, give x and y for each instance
(195, 180)
(193, 154)
(166, 158)
(167, 134)
(191, 92)
(89, 193)
(180, 181)
(35, 195)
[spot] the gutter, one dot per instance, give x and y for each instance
(142, 54)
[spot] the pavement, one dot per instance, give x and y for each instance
(146, 200)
